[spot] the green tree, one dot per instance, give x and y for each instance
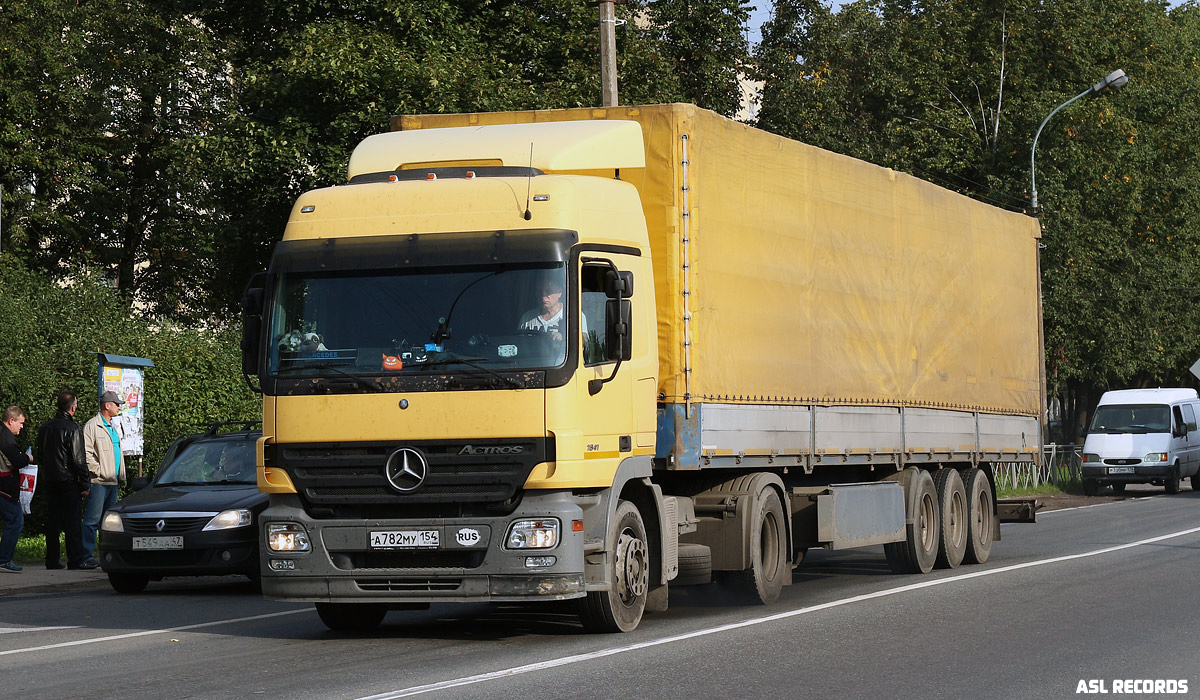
(953, 91)
(704, 44)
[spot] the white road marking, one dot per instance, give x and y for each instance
(1096, 505)
(580, 658)
(146, 633)
(11, 630)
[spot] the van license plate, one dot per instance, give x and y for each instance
(1120, 470)
(405, 539)
(163, 542)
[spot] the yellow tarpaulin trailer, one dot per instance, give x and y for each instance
(789, 274)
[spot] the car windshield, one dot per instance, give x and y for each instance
(497, 318)
(213, 461)
(1132, 418)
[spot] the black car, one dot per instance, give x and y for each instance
(198, 517)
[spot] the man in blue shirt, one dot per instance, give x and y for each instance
(102, 444)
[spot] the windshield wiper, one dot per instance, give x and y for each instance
(358, 379)
(473, 363)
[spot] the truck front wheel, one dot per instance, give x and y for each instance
(351, 617)
(620, 608)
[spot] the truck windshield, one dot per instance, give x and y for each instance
(1132, 418)
(497, 318)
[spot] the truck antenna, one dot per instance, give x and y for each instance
(528, 183)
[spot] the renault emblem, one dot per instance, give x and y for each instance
(160, 525)
(406, 469)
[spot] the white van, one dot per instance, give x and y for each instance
(1143, 436)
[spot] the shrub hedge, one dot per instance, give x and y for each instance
(50, 335)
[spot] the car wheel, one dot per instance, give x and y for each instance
(128, 584)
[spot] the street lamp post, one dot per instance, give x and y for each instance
(1115, 80)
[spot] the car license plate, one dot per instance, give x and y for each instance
(163, 542)
(405, 539)
(1120, 470)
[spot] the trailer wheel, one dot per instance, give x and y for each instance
(620, 608)
(1171, 483)
(918, 552)
(351, 617)
(952, 509)
(981, 514)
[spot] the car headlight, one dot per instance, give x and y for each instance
(1155, 457)
(532, 534)
(1091, 457)
(287, 537)
(112, 523)
(229, 519)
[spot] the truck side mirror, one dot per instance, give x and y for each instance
(618, 338)
(618, 284)
(252, 312)
(1180, 430)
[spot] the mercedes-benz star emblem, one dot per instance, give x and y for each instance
(406, 469)
(160, 525)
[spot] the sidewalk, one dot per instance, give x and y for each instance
(37, 578)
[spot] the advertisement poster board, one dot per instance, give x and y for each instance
(126, 377)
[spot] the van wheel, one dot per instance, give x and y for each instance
(1171, 483)
(1118, 487)
(1196, 481)
(1091, 487)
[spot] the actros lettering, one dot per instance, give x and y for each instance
(491, 450)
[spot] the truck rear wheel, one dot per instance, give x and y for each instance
(620, 608)
(762, 583)
(952, 505)
(981, 514)
(918, 552)
(351, 617)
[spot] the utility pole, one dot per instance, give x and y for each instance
(608, 53)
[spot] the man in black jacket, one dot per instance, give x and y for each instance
(64, 470)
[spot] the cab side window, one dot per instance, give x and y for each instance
(594, 320)
(1189, 417)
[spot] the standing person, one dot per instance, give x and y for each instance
(64, 467)
(10, 487)
(103, 448)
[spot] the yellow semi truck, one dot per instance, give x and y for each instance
(593, 353)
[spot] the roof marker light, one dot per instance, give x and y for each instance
(308, 209)
(430, 176)
(393, 178)
(470, 174)
(541, 198)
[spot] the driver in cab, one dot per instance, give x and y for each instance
(549, 317)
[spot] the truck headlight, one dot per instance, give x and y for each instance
(532, 534)
(229, 519)
(1155, 457)
(112, 523)
(287, 537)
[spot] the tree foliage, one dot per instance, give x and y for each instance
(954, 91)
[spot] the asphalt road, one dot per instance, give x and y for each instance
(1107, 594)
